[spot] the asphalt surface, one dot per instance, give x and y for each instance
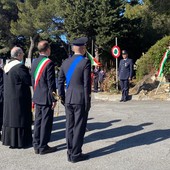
(122, 136)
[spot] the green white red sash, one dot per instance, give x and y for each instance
(39, 70)
(162, 64)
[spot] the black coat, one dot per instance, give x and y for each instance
(46, 86)
(1, 97)
(1, 86)
(79, 89)
(17, 95)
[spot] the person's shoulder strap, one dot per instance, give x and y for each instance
(39, 70)
(71, 69)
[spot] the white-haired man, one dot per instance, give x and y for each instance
(17, 117)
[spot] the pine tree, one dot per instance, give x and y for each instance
(8, 12)
(99, 20)
(35, 19)
(152, 18)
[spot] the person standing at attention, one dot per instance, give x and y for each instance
(76, 71)
(1, 99)
(17, 116)
(125, 74)
(43, 82)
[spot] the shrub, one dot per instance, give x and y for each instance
(150, 61)
(109, 84)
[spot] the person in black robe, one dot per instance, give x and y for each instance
(1, 99)
(17, 116)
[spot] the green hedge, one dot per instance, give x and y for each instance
(150, 61)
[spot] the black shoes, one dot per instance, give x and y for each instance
(82, 157)
(68, 158)
(36, 151)
(46, 150)
(123, 100)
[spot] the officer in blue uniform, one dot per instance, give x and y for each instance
(125, 74)
(76, 71)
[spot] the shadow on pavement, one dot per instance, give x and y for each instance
(59, 126)
(101, 125)
(115, 132)
(61, 147)
(58, 118)
(147, 138)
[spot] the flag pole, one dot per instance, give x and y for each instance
(92, 46)
(116, 67)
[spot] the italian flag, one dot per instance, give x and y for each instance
(93, 60)
(162, 64)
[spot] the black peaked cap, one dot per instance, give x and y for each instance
(80, 41)
(124, 52)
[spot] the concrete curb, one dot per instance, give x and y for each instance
(117, 97)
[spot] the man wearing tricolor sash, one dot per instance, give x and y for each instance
(43, 82)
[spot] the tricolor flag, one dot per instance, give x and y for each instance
(93, 60)
(162, 64)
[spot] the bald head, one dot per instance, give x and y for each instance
(43, 46)
(17, 52)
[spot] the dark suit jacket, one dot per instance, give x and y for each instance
(1, 86)
(79, 89)
(125, 69)
(43, 92)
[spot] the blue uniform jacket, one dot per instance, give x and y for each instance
(79, 89)
(125, 69)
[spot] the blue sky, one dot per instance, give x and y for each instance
(139, 1)
(63, 37)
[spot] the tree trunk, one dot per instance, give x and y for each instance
(97, 53)
(31, 48)
(32, 40)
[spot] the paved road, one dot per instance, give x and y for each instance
(122, 136)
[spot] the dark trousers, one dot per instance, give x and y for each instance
(76, 121)
(124, 84)
(42, 126)
(101, 86)
(96, 84)
(1, 115)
